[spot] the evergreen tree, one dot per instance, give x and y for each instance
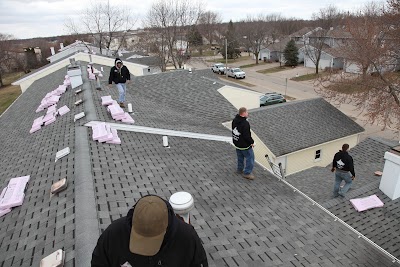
(194, 37)
(230, 35)
(291, 54)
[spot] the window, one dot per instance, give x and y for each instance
(318, 155)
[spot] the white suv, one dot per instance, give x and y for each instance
(218, 68)
(236, 73)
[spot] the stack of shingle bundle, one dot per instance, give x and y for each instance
(106, 100)
(13, 195)
(67, 80)
(117, 113)
(102, 132)
(37, 124)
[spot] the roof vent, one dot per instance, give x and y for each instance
(59, 186)
(62, 153)
(80, 101)
(190, 70)
(78, 91)
(165, 141)
(56, 259)
(52, 51)
(79, 116)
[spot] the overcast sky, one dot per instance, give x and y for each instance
(42, 18)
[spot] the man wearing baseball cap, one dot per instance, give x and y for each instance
(150, 235)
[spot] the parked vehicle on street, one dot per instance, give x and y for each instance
(271, 98)
(236, 73)
(218, 68)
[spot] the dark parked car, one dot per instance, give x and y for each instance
(271, 98)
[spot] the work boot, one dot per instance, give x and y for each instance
(239, 172)
(249, 176)
(121, 105)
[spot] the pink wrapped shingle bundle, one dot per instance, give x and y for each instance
(53, 100)
(37, 124)
(63, 110)
(102, 132)
(115, 140)
(60, 90)
(14, 193)
(106, 100)
(128, 118)
(67, 80)
(49, 118)
(366, 203)
(92, 76)
(116, 111)
(51, 109)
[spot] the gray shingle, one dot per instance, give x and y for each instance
(297, 125)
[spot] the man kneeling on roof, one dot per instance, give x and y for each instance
(150, 235)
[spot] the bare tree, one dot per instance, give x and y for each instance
(373, 49)
(257, 32)
(5, 53)
(105, 23)
(171, 20)
(208, 25)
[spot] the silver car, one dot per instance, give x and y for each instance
(236, 73)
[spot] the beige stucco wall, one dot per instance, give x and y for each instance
(241, 97)
(305, 159)
(24, 83)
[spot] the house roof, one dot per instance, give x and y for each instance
(293, 126)
(302, 32)
(381, 225)
(338, 32)
(241, 222)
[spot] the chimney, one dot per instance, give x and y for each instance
(390, 182)
(52, 51)
(61, 45)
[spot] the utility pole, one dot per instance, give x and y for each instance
(286, 88)
(226, 57)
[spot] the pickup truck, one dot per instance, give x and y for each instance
(218, 68)
(236, 73)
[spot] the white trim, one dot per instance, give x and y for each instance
(143, 129)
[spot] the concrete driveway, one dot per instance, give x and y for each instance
(280, 82)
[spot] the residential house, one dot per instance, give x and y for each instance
(78, 46)
(240, 222)
(302, 134)
(330, 57)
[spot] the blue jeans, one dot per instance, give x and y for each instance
(249, 155)
(122, 90)
(339, 177)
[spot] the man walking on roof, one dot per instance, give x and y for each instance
(119, 74)
(244, 143)
(343, 164)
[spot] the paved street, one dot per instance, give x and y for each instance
(276, 82)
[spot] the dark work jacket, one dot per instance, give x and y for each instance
(241, 134)
(181, 247)
(119, 76)
(343, 161)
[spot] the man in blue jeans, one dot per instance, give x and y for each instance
(119, 74)
(244, 143)
(343, 164)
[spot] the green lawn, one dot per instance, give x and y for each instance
(272, 70)
(308, 77)
(7, 96)
(9, 92)
(260, 63)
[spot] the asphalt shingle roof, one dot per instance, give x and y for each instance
(176, 100)
(289, 127)
(381, 225)
(241, 222)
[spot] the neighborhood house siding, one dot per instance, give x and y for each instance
(305, 159)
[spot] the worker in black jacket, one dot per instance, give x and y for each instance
(119, 74)
(244, 143)
(150, 235)
(344, 166)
